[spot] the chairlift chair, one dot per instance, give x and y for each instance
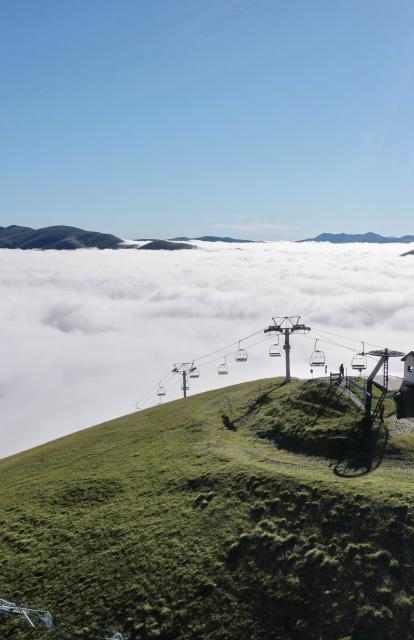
(275, 350)
(359, 361)
(194, 372)
(223, 368)
(161, 391)
(317, 358)
(241, 354)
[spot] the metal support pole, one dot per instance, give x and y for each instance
(370, 380)
(287, 355)
(184, 384)
(184, 369)
(286, 326)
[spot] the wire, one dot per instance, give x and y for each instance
(153, 390)
(327, 341)
(378, 346)
(232, 344)
(343, 346)
(229, 353)
(148, 400)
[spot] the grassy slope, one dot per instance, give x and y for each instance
(168, 524)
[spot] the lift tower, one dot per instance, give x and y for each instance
(286, 325)
(184, 369)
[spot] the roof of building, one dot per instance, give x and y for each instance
(410, 353)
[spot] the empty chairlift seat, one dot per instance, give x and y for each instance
(223, 368)
(317, 358)
(359, 361)
(275, 350)
(161, 391)
(241, 354)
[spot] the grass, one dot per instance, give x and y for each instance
(219, 517)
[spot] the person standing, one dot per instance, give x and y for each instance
(381, 413)
(341, 371)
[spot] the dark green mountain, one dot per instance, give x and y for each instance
(166, 245)
(344, 238)
(58, 237)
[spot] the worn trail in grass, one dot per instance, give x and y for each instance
(246, 512)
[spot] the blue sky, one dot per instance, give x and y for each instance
(263, 119)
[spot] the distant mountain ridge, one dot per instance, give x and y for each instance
(212, 239)
(370, 237)
(63, 237)
(56, 237)
(166, 245)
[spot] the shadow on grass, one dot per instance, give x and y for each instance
(262, 399)
(364, 451)
(330, 395)
(229, 424)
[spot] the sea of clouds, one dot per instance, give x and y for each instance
(86, 334)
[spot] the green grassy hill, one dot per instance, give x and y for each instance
(252, 512)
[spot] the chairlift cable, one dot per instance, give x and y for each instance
(227, 346)
(377, 346)
(337, 344)
(153, 390)
(229, 353)
(343, 346)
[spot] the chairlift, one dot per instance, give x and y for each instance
(317, 358)
(241, 354)
(161, 391)
(223, 368)
(194, 372)
(275, 350)
(359, 361)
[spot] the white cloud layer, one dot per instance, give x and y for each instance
(85, 334)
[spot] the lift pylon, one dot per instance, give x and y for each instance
(185, 369)
(286, 325)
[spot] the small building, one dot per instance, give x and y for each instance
(405, 398)
(408, 369)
